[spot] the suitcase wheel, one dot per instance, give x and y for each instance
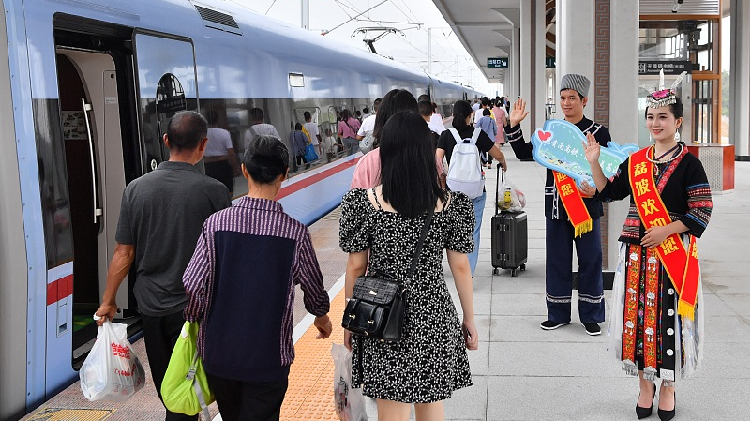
(496, 272)
(513, 273)
(523, 266)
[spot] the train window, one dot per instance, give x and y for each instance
(296, 80)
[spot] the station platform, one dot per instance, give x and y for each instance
(520, 372)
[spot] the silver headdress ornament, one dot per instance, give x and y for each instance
(662, 97)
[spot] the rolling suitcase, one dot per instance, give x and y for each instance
(510, 240)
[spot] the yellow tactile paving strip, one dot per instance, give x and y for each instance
(310, 393)
(59, 414)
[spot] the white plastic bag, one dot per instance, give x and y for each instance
(112, 368)
(510, 198)
(350, 404)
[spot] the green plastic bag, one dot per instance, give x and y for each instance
(185, 388)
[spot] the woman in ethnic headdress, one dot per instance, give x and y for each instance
(657, 316)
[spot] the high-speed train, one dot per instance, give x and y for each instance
(86, 88)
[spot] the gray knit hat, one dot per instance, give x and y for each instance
(578, 83)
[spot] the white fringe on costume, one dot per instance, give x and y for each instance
(689, 336)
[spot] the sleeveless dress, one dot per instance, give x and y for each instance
(430, 362)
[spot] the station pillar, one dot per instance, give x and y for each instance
(533, 42)
(599, 39)
(739, 79)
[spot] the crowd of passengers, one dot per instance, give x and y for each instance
(238, 282)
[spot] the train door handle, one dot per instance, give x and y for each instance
(94, 184)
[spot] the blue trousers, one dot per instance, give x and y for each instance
(478, 212)
(560, 239)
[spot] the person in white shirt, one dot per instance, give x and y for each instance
(258, 128)
(368, 124)
(330, 148)
(436, 121)
(478, 113)
(312, 128)
(219, 159)
(475, 106)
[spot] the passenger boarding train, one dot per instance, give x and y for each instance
(86, 89)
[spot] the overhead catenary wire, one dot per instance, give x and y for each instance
(351, 19)
(455, 68)
(269, 8)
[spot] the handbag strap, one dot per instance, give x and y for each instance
(418, 250)
(197, 387)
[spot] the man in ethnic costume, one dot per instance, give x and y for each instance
(572, 218)
(657, 310)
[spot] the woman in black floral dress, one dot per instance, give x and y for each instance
(384, 223)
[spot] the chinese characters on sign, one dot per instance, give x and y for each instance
(670, 67)
(497, 62)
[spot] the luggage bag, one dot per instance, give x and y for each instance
(510, 239)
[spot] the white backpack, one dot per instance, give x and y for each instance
(465, 170)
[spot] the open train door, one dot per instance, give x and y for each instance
(167, 83)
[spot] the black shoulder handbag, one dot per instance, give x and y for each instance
(378, 304)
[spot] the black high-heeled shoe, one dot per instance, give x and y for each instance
(645, 412)
(667, 415)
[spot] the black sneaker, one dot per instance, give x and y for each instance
(592, 329)
(550, 325)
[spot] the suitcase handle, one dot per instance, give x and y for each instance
(497, 188)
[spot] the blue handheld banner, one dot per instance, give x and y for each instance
(559, 147)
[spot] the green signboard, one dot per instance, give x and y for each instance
(497, 63)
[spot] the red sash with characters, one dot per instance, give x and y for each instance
(681, 265)
(573, 204)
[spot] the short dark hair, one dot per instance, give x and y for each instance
(408, 171)
(486, 112)
(185, 130)
(425, 108)
(423, 97)
(307, 115)
(256, 114)
(394, 101)
(376, 104)
(266, 157)
(485, 101)
(366, 110)
(298, 126)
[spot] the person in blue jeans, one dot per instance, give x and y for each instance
(462, 119)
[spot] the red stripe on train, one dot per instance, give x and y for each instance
(63, 287)
(59, 289)
(309, 181)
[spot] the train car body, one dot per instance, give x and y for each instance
(86, 89)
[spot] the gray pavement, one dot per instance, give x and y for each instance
(524, 373)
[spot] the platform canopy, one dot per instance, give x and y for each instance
(485, 28)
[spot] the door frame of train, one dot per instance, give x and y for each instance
(50, 349)
(14, 184)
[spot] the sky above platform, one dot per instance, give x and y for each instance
(342, 18)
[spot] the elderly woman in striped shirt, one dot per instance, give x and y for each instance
(240, 286)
